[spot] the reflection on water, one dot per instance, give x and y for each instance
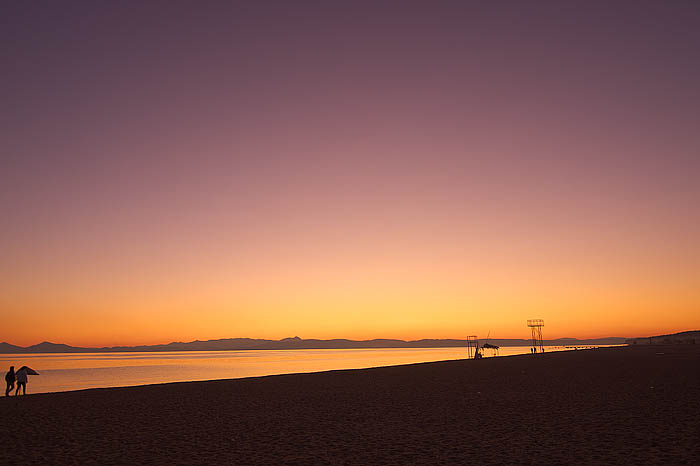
(70, 371)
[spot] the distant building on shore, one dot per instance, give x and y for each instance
(691, 337)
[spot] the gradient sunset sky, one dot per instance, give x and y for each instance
(198, 170)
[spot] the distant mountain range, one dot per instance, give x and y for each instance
(291, 343)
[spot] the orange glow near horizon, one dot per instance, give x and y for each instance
(316, 272)
(405, 292)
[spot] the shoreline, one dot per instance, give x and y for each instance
(227, 376)
(615, 405)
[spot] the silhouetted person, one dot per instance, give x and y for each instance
(21, 381)
(10, 380)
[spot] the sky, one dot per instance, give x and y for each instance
(173, 171)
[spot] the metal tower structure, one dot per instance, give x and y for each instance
(536, 328)
(473, 347)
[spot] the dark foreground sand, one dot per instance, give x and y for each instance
(604, 406)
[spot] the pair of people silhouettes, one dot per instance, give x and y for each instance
(20, 377)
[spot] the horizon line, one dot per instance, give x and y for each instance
(305, 339)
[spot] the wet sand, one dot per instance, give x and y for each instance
(603, 406)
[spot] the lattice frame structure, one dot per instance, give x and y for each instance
(536, 329)
(472, 346)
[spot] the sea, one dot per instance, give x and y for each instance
(60, 372)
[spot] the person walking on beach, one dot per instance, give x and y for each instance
(21, 381)
(10, 380)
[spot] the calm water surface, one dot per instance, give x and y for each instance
(71, 371)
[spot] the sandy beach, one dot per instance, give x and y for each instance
(628, 405)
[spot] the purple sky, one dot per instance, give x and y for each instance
(216, 142)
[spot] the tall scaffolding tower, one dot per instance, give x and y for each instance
(473, 347)
(536, 328)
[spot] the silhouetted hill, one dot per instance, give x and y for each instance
(689, 337)
(8, 348)
(292, 343)
(48, 347)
